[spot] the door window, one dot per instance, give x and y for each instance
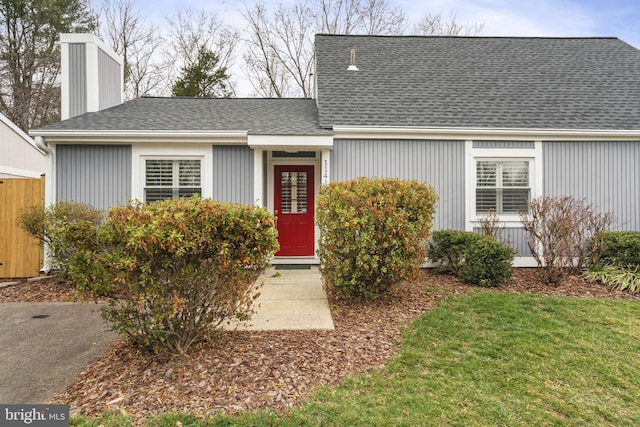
(294, 192)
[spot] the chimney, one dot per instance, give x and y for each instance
(352, 66)
(92, 75)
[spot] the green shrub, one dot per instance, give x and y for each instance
(476, 258)
(487, 262)
(617, 248)
(65, 227)
(373, 233)
(176, 270)
(616, 277)
(447, 248)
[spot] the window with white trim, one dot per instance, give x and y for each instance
(502, 186)
(172, 178)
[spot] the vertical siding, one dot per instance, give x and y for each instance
(99, 175)
(233, 174)
(606, 173)
(440, 163)
(515, 237)
(504, 144)
(110, 85)
(77, 79)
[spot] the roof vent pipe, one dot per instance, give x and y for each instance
(353, 67)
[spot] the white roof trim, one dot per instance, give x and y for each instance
(287, 142)
(22, 173)
(482, 133)
(121, 136)
(19, 132)
(91, 38)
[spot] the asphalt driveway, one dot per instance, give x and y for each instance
(43, 346)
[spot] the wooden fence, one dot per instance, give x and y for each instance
(20, 255)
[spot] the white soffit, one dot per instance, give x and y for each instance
(288, 142)
(119, 137)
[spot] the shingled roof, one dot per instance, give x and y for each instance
(484, 82)
(255, 116)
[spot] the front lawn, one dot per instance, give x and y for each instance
(487, 358)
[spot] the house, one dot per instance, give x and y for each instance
(21, 186)
(489, 121)
(19, 156)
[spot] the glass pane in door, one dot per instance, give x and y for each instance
(294, 192)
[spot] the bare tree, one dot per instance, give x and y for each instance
(132, 36)
(338, 16)
(358, 17)
(279, 52)
(267, 73)
(30, 56)
(438, 25)
(192, 31)
(378, 17)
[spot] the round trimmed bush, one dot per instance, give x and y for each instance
(373, 233)
(487, 263)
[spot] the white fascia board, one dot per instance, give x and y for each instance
(91, 38)
(483, 133)
(23, 173)
(163, 136)
(4, 119)
(291, 142)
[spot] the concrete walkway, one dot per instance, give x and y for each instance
(291, 300)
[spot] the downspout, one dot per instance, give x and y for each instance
(49, 192)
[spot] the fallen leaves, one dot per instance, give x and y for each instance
(268, 369)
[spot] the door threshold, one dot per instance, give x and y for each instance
(310, 260)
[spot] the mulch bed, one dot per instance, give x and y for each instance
(268, 369)
(42, 290)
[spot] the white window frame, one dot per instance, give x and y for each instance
(473, 155)
(175, 175)
(143, 151)
(499, 185)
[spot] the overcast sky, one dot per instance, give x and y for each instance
(619, 18)
(576, 18)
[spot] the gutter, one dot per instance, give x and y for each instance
(411, 132)
(42, 146)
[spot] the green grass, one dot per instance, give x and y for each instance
(489, 359)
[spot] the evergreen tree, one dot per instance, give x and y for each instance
(204, 78)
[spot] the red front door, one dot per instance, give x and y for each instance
(294, 205)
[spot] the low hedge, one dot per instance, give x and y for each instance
(477, 259)
(618, 248)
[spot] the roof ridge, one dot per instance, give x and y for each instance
(247, 98)
(469, 37)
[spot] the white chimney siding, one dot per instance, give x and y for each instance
(92, 75)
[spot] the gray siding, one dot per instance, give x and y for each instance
(109, 81)
(99, 175)
(77, 79)
(504, 144)
(440, 163)
(607, 174)
(233, 174)
(516, 237)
